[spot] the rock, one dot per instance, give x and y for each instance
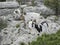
(53, 18)
(53, 28)
(43, 9)
(14, 36)
(4, 12)
(32, 16)
(15, 33)
(3, 24)
(8, 7)
(1, 38)
(39, 2)
(23, 6)
(10, 0)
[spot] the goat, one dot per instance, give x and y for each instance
(17, 11)
(39, 29)
(44, 22)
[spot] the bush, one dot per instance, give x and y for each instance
(54, 4)
(33, 3)
(22, 43)
(53, 39)
(3, 24)
(17, 25)
(20, 2)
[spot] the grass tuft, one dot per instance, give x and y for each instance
(52, 39)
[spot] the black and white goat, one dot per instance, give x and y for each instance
(40, 27)
(17, 14)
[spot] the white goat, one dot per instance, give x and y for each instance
(17, 13)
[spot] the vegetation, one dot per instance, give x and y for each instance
(33, 3)
(54, 4)
(56, 18)
(53, 39)
(3, 24)
(22, 43)
(17, 25)
(21, 1)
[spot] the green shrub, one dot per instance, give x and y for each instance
(17, 25)
(53, 4)
(52, 39)
(33, 3)
(22, 43)
(3, 24)
(20, 2)
(56, 18)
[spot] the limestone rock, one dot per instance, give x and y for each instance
(8, 7)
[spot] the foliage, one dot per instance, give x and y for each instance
(54, 4)
(22, 43)
(21, 2)
(56, 18)
(51, 3)
(3, 24)
(53, 39)
(17, 25)
(33, 3)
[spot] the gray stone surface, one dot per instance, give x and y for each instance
(13, 35)
(8, 7)
(15, 32)
(1, 38)
(41, 9)
(10, 0)
(6, 11)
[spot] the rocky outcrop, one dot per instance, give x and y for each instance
(41, 9)
(15, 33)
(18, 31)
(8, 7)
(10, 0)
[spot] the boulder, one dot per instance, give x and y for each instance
(8, 7)
(43, 9)
(32, 16)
